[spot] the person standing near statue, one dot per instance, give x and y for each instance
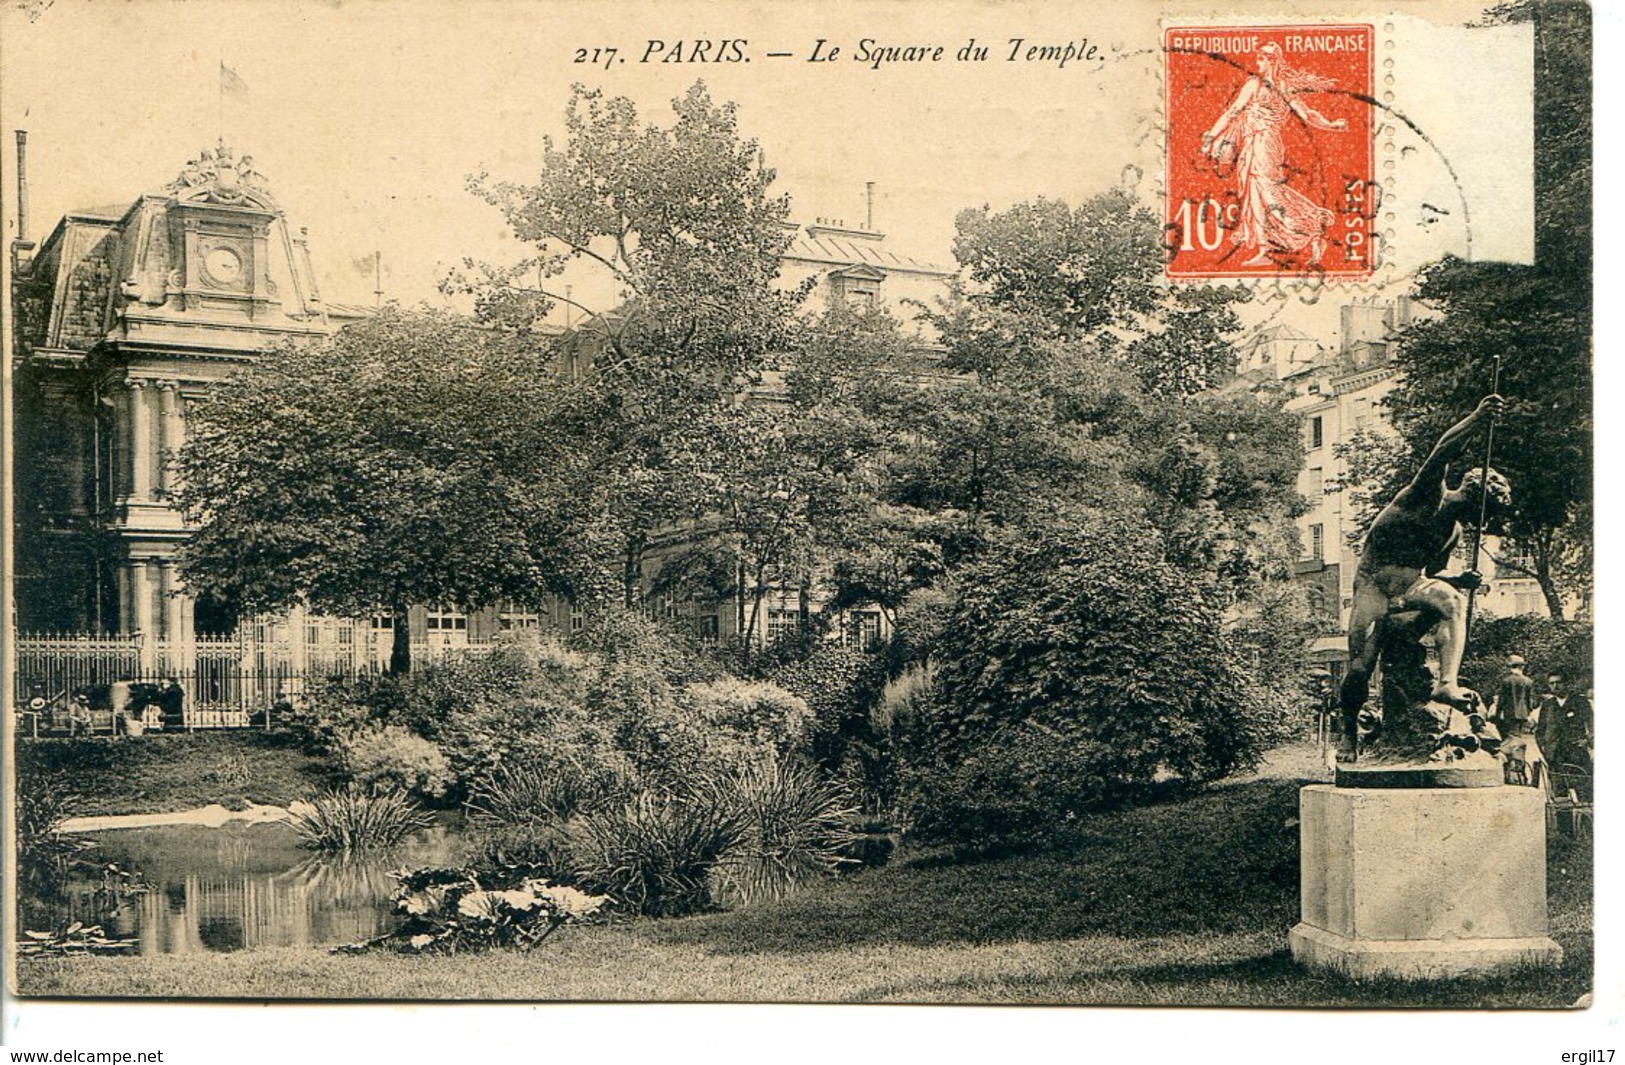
(1402, 567)
(1510, 710)
(1565, 735)
(1514, 700)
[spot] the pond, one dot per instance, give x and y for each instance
(240, 887)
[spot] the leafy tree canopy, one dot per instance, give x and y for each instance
(400, 461)
(680, 222)
(1091, 273)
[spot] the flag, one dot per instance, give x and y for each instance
(231, 83)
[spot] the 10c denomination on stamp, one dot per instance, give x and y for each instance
(1270, 166)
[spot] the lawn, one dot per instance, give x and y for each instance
(167, 772)
(1186, 902)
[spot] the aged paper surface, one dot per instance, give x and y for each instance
(367, 119)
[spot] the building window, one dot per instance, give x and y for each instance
(864, 629)
(1514, 567)
(383, 621)
(1317, 432)
(1317, 483)
(862, 297)
(439, 620)
(708, 627)
(578, 618)
(518, 619)
(859, 293)
(782, 623)
(1317, 542)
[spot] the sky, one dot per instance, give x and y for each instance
(367, 117)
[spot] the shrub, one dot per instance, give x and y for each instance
(840, 684)
(446, 910)
(352, 820)
(1018, 790)
(902, 698)
(654, 854)
(389, 758)
(639, 649)
(1080, 667)
(44, 801)
(843, 686)
(792, 826)
(752, 716)
(521, 667)
(339, 708)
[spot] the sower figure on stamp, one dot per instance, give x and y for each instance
(1400, 592)
(1275, 217)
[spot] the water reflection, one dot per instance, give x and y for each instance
(235, 888)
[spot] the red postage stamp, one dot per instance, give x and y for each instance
(1270, 156)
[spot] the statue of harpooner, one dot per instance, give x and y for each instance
(1430, 731)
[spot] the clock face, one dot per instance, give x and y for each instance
(224, 265)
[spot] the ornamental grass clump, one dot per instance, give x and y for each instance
(654, 854)
(353, 820)
(44, 802)
(553, 793)
(792, 825)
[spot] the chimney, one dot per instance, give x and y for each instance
(869, 196)
(22, 186)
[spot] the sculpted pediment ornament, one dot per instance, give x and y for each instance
(215, 176)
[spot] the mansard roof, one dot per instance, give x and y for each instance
(117, 273)
(834, 245)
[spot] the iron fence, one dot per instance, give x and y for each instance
(230, 681)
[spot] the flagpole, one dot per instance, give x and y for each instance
(220, 96)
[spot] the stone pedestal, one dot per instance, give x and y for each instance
(1422, 883)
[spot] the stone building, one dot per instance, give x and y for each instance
(854, 265)
(125, 316)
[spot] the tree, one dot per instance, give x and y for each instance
(1048, 417)
(682, 223)
(1538, 317)
(1092, 378)
(403, 460)
(792, 473)
(1121, 599)
(1092, 273)
(1220, 473)
(1375, 469)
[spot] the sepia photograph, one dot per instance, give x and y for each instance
(971, 503)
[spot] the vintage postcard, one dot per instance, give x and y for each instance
(961, 503)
